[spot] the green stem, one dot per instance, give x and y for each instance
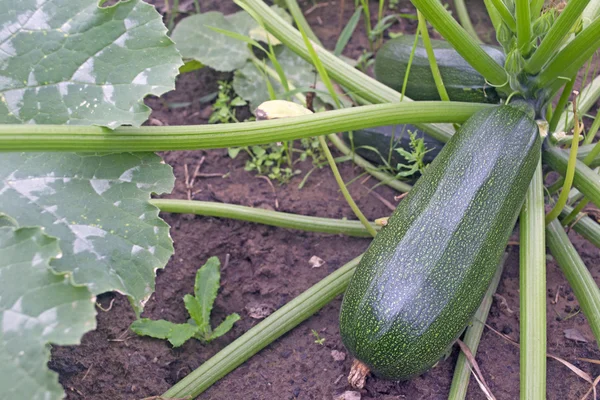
(495, 16)
(344, 189)
(506, 15)
(589, 155)
(591, 12)
(574, 212)
(465, 20)
(466, 46)
(385, 178)
(568, 61)
(532, 279)
(352, 79)
(585, 226)
(585, 101)
(585, 288)
(585, 179)
(523, 17)
(435, 71)
(29, 137)
(557, 115)
(555, 36)
(462, 372)
(569, 174)
(536, 7)
(264, 333)
(296, 12)
(266, 217)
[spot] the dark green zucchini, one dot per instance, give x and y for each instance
(380, 139)
(462, 82)
(425, 273)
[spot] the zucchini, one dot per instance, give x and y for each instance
(462, 82)
(426, 271)
(380, 138)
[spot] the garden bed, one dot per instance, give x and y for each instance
(267, 267)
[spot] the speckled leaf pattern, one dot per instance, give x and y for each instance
(37, 307)
(97, 205)
(73, 62)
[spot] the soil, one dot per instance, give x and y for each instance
(269, 266)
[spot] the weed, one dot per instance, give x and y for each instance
(224, 106)
(318, 338)
(414, 157)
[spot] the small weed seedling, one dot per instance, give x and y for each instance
(318, 338)
(199, 307)
(224, 106)
(414, 157)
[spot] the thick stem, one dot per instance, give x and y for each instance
(584, 226)
(462, 371)
(553, 39)
(352, 79)
(585, 288)
(532, 279)
(585, 179)
(266, 217)
(264, 333)
(523, 17)
(464, 44)
(28, 137)
(568, 61)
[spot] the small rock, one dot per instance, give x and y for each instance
(570, 297)
(574, 334)
(316, 262)
(348, 395)
(296, 392)
(285, 353)
(259, 311)
(568, 309)
(507, 330)
(338, 355)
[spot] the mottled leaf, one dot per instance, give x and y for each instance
(225, 326)
(37, 307)
(176, 334)
(97, 205)
(76, 63)
(205, 288)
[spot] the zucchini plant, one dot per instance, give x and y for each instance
(78, 170)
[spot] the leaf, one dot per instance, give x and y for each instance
(225, 326)
(189, 66)
(176, 334)
(80, 64)
(97, 205)
(205, 288)
(37, 307)
(193, 307)
(197, 41)
(575, 335)
(233, 151)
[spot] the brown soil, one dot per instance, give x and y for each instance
(269, 266)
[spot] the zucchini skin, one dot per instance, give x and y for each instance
(462, 82)
(425, 273)
(380, 137)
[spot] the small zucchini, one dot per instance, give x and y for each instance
(462, 82)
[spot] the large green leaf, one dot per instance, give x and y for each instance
(196, 40)
(72, 62)
(97, 205)
(37, 307)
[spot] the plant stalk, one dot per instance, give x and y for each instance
(465, 20)
(585, 179)
(265, 217)
(584, 226)
(462, 372)
(464, 44)
(264, 333)
(555, 36)
(524, 32)
(532, 279)
(352, 79)
(28, 137)
(585, 288)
